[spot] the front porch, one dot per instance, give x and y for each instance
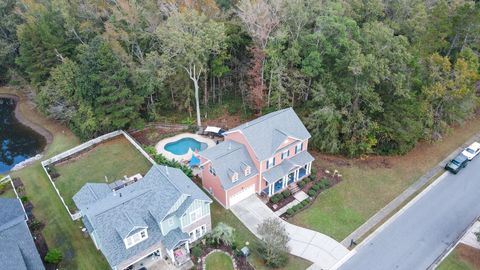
(294, 175)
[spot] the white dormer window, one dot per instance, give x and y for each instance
(234, 176)
(170, 222)
(247, 171)
(270, 162)
(298, 148)
(136, 238)
(285, 154)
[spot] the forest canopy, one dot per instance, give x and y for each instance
(366, 76)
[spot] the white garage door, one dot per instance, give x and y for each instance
(242, 194)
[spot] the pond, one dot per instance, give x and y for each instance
(17, 141)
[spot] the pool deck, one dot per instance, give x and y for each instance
(160, 146)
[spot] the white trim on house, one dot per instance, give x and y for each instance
(135, 239)
(203, 231)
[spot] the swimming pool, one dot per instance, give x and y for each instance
(181, 147)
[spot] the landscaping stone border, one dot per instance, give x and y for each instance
(84, 147)
(204, 261)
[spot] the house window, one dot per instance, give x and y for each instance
(195, 215)
(136, 238)
(212, 170)
(234, 176)
(285, 154)
(298, 148)
(247, 171)
(170, 222)
(270, 162)
(197, 233)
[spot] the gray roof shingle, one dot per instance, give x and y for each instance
(266, 133)
(144, 203)
(17, 249)
(287, 166)
(230, 156)
(174, 237)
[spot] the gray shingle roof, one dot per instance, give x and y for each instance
(266, 133)
(174, 237)
(279, 171)
(287, 166)
(230, 156)
(302, 158)
(17, 249)
(142, 204)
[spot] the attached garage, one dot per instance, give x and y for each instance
(242, 194)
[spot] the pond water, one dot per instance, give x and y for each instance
(182, 146)
(17, 141)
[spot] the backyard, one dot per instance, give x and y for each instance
(110, 160)
(59, 232)
(218, 260)
(370, 184)
(6, 190)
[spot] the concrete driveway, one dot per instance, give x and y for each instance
(318, 248)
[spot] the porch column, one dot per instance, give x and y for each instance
(270, 189)
(297, 173)
(187, 246)
(284, 181)
(309, 167)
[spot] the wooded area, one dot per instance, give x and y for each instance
(367, 76)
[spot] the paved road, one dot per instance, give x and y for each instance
(420, 234)
(318, 248)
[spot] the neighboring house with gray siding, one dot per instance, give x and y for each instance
(159, 215)
(17, 249)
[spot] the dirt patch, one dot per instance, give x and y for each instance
(152, 135)
(225, 121)
(469, 254)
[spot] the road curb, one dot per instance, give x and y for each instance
(387, 210)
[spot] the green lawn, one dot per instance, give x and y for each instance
(113, 159)
(217, 261)
(243, 235)
(368, 186)
(6, 190)
(454, 262)
(60, 231)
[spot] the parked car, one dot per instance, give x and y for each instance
(456, 164)
(472, 151)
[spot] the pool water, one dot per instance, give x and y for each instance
(182, 146)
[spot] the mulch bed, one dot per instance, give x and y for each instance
(277, 206)
(469, 254)
(242, 262)
(152, 135)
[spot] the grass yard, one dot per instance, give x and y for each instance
(462, 257)
(113, 159)
(218, 260)
(368, 185)
(59, 232)
(220, 214)
(6, 190)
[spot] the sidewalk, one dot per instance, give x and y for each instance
(403, 197)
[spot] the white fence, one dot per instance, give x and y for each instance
(83, 147)
(9, 179)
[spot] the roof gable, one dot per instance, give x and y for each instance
(266, 133)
